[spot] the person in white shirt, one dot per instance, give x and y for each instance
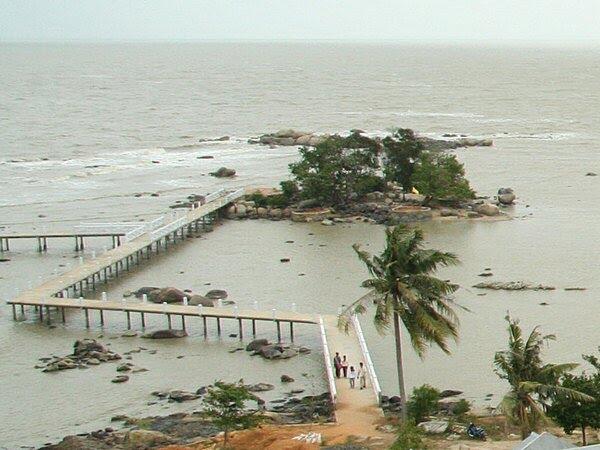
(352, 377)
(362, 375)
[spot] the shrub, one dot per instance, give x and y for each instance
(423, 402)
(277, 201)
(441, 176)
(369, 183)
(289, 190)
(260, 201)
(461, 407)
(410, 437)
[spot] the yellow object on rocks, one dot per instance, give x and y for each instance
(414, 191)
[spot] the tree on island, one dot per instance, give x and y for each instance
(570, 413)
(337, 169)
(225, 406)
(403, 289)
(402, 151)
(441, 176)
(532, 383)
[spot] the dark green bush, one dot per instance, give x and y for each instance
(277, 201)
(423, 402)
(260, 201)
(461, 407)
(369, 183)
(289, 190)
(410, 437)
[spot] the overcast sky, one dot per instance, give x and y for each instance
(420, 20)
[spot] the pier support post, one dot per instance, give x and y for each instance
(204, 326)
(39, 242)
(291, 331)
(81, 246)
(62, 315)
(219, 326)
(101, 317)
(48, 315)
(128, 320)
(76, 243)
(143, 320)
(254, 328)
(183, 322)
(241, 331)
(45, 244)
(87, 317)
(278, 331)
(14, 309)
(41, 311)
(22, 310)
(169, 320)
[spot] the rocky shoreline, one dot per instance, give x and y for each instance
(389, 208)
(191, 428)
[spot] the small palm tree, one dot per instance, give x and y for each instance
(532, 383)
(403, 289)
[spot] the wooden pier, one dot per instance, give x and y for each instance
(66, 291)
(42, 238)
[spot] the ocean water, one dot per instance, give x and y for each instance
(86, 127)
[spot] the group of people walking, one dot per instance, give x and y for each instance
(341, 366)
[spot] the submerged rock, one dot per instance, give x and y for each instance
(223, 172)
(506, 196)
(167, 295)
(165, 334)
(513, 286)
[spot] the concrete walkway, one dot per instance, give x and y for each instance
(356, 408)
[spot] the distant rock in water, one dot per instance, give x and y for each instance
(513, 286)
(506, 196)
(450, 144)
(165, 334)
(218, 139)
(223, 172)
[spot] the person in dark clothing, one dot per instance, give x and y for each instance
(337, 364)
(344, 367)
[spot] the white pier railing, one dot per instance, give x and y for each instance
(328, 366)
(367, 357)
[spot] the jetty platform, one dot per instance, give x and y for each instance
(66, 292)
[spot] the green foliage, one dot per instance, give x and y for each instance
(369, 183)
(441, 176)
(570, 413)
(274, 201)
(289, 190)
(461, 407)
(402, 151)
(423, 402)
(225, 406)
(532, 383)
(260, 200)
(410, 437)
(331, 171)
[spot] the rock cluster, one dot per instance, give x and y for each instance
(455, 142)
(248, 210)
(268, 350)
(310, 408)
(86, 352)
(174, 295)
(289, 137)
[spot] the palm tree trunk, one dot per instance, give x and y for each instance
(584, 437)
(400, 367)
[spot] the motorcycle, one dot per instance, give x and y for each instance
(476, 432)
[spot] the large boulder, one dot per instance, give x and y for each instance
(165, 334)
(289, 133)
(270, 351)
(182, 396)
(145, 290)
(487, 209)
(216, 294)
(256, 345)
(223, 172)
(144, 439)
(85, 346)
(196, 300)
(167, 295)
(506, 196)
(434, 426)
(260, 387)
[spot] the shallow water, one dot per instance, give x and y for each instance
(101, 114)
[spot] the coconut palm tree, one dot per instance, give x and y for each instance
(403, 289)
(532, 383)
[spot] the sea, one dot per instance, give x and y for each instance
(114, 132)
